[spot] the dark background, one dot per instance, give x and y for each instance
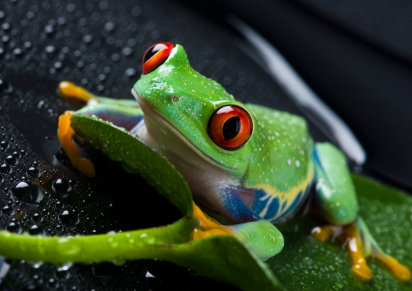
(356, 55)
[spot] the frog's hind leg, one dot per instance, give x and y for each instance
(336, 201)
(81, 97)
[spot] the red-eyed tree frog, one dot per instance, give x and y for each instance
(252, 164)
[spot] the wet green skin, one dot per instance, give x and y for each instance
(277, 159)
(277, 136)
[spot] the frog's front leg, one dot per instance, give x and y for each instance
(259, 234)
(337, 203)
(81, 97)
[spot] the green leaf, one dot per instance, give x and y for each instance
(136, 157)
(306, 264)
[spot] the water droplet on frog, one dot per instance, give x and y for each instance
(33, 172)
(27, 193)
(11, 160)
(7, 210)
(5, 87)
(5, 169)
(35, 229)
(37, 217)
(61, 186)
(14, 227)
(69, 217)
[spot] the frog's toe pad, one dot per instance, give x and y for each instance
(362, 270)
(74, 94)
(399, 271)
(208, 226)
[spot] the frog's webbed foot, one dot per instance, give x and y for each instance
(65, 134)
(260, 235)
(207, 225)
(360, 245)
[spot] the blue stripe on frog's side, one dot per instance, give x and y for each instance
(268, 206)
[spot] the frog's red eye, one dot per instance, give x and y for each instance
(155, 56)
(230, 127)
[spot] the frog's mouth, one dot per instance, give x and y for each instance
(147, 110)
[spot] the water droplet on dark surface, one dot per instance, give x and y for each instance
(49, 29)
(50, 50)
(6, 26)
(33, 172)
(12, 161)
(58, 65)
(69, 217)
(27, 193)
(27, 45)
(32, 288)
(7, 210)
(35, 229)
(18, 52)
(127, 51)
(61, 186)
(37, 217)
(87, 38)
(3, 144)
(5, 169)
(109, 26)
(130, 72)
(5, 87)
(62, 273)
(5, 38)
(14, 227)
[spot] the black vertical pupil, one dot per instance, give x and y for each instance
(231, 128)
(151, 52)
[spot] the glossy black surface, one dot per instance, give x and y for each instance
(98, 45)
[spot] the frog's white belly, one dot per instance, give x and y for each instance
(203, 177)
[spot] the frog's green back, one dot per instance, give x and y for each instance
(280, 166)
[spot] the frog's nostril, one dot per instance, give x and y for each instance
(155, 56)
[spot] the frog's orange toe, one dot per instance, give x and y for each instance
(65, 134)
(207, 225)
(362, 270)
(71, 92)
(399, 271)
(322, 233)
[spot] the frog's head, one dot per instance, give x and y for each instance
(179, 102)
